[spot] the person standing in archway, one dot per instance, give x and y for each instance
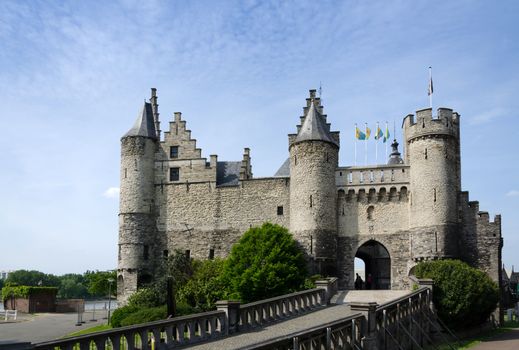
(369, 281)
(358, 282)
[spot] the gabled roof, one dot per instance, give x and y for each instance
(144, 125)
(314, 127)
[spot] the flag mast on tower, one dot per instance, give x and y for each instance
(430, 90)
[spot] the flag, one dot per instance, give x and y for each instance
(386, 134)
(430, 90)
(368, 132)
(359, 135)
(379, 134)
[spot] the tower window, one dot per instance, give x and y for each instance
(280, 210)
(370, 211)
(434, 194)
(311, 202)
(174, 174)
(188, 254)
(173, 152)
(165, 253)
(125, 173)
(211, 254)
(119, 255)
(146, 253)
(425, 153)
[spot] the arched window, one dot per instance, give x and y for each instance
(370, 211)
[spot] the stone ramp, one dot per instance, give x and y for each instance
(367, 296)
(337, 311)
(274, 330)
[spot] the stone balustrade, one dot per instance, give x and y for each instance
(230, 317)
(163, 334)
(274, 309)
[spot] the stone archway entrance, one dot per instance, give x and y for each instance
(377, 263)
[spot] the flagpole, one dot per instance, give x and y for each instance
(376, 144)
(385, 133)
(355, 143)
(430, 87)
(366, 143)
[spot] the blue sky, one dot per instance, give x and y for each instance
(73, 75)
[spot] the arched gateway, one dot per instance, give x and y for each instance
(377, 264)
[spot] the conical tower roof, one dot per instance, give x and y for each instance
(145, 124)
(314, 127)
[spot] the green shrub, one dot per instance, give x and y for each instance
(266, 262)
(205, 286)
(146, 298)
(145, 315)
(121, 313)
(464, 296)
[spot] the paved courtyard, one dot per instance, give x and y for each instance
(46, 326)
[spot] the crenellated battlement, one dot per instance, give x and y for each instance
(373, 195)
(374, 175)
(424, 125)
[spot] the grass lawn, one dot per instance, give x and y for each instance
(98, 328)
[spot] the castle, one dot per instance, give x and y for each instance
(389, 215)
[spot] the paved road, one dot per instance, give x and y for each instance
(504, 341)
(43, 327)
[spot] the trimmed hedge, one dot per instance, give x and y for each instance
(464, 296)
(25, 291)
(145, 315)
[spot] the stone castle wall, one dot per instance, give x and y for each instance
(201, 217)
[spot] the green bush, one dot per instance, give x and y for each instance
(464, 296)
(145, 315)
(205, 286)
(120, 314)
(266, 262)
(146, 298)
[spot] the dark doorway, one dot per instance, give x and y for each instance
(377, 264)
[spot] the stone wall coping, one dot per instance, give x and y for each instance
(282, 297)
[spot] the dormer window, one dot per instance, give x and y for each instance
(173, 152)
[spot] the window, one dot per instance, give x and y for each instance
(370, 211)
(165, 253)
(188, 254)
(280, 210)
(173, 152)
(174, 174)
(146, 253)
(211, 254)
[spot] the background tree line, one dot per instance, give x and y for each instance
(89, 285)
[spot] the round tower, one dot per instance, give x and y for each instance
(136, 218)
(313, 161)
(433, 152)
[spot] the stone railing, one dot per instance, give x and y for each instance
(230, 317)
(285, 306)
(163, 334)
(341, 334)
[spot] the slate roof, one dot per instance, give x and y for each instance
(394, 157)
(314, 127)
(144, 125)
(227, 173)
(284, 169)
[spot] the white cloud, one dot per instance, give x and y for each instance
(513, 193)
(112, 192)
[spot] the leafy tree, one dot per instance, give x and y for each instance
(72, 286)
(464, 296)
(32, 278)
(205, 287)
(1, 284)
(98, 285)
(266, 262)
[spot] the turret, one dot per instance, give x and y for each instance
(137, 227)
(432, 151)
(313, 160)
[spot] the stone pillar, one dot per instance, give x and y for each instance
(369, 331)
(428, 283)
(232, 314)
(330, 288)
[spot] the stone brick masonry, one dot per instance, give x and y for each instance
(390, 215)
